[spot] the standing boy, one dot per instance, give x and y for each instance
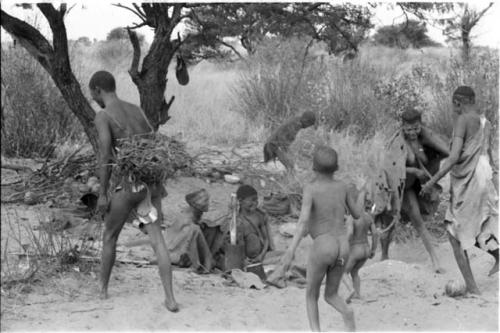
(360, 250)
(325, 202)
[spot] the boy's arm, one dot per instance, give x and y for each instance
(354, 209)
(374, 237)
(349, 223)
(305, 213)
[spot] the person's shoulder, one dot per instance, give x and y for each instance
(101, 118)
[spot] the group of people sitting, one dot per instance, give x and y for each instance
(340, 244)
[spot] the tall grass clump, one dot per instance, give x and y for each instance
(35, 117)
(281, 79)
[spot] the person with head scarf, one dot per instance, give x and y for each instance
(279, 142)
(185, 240)
(472, 215)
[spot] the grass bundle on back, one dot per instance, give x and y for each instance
(151, 158)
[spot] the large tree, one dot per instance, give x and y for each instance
(458, 21)
(340, 27)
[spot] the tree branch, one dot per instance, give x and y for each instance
(30, 38)
(56, 21)
(480, 15)
(134, 67)
(136, 11)
(232, 48)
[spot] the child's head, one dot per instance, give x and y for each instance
(325, 160)
(247, 197)
(198, 200)
(308, 119)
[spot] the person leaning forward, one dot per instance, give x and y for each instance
(119, 199)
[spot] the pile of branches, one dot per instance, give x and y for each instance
(151, 158)
(48, 182)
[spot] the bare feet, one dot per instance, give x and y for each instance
(349, 321)
(171, 306)
(494, 269)
(439, 270)
(103, 294)
(353, 295)
(473, 290)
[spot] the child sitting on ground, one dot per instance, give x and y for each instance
(325, 202)
(360, 250)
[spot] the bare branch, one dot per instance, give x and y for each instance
(29, 37)
(136, 11)
(56, 21)
(137, 25)
(232, 48)
(134, 67)
(480, 14)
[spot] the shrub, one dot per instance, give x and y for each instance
(35, 117)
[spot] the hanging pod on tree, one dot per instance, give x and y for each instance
(181, 71)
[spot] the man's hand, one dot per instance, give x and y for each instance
(426, 188)
(421, 175)
(102, 204)
(286, 260)
(372, 254)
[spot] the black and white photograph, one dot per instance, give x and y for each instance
(249, 166)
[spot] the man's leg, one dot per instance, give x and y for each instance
(356, 281)
(161, 251)
(316, 270)
(204, 253)
(464, 265)
(120, 207)
(410, 202)
(333, 276)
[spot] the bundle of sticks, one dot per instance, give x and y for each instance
(151, 158)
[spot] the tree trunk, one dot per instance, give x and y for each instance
(465, 44)
(55, 60)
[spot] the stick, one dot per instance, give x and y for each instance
(16, 167)
(93, 309)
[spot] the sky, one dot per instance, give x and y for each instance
(95, 19)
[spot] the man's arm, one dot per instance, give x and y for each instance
(456, 148)
(105, 153)
(432, 140)
(265, 235)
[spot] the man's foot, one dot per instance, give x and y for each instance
(439, 270)
(494, 269)
(352, 296)
(103, 294)
(171, 306)
(473, 290)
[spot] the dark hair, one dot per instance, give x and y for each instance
(411, 116)
(325, 160)
(245, 191)
(308, 118)
(103, 80)
(465, 95)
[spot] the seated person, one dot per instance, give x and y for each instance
(252, 226)
(185, 240)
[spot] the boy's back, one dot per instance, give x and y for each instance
(329, 205)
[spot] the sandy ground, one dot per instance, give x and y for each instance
(401, 294)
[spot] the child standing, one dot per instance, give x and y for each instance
(325, 202)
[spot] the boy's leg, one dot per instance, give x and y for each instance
(316, 270)
(464, 265)
(204, 254)
(410, 202)
(333, 276)
(161, 251)
(356, 281)
(386, 237)
(120, 207)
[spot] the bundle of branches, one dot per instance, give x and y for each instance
(151, 158)
(46, 183)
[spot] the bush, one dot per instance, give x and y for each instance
(411, 33)
(35, 117)
(279, 81)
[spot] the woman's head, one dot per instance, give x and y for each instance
(462, 98)
(411, 123)
(199, 200)
(247, 197)
(325, 160)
